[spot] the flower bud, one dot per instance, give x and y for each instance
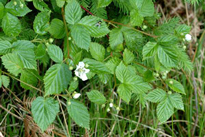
(103, 105)
(51, 40)
(184, 47)
(69, 102)
(169, 92)
(69, 38)
(15, 3)
(188, 37)
(86, 65)
(118, 108)
(111, 105)
(144, 27)
(108, 109)
(71, 68)
(21, 5)
(75, 78)
(170, 82)
(47, 44)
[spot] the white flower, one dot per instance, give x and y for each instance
(111, 105)
(1, 135)
(188, 37)
(76, 95)
(81, 71)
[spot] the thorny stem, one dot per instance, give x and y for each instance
(120, 24)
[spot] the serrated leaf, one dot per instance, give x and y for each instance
(164, 110)
(25, 51)
(57, 29)
(167, 56)
(124, 92)
(96, 97)
(77, 57)
(96, 29)
(56, 79)
(1, 10)
(176, 86)
(135, 18)
(5, 47)
(28, 77)
(40, 51)
(145, 7)
(4, 80)
(41, 22)
(73, 85)
(96, 66)
(156, 95)
(183, 29)
(112, 64)
(128, 56)
(12, 63)
(123, 74)
(44, 111)
(40, 5)
(167, 40)
(104, 78)
(73, 12)
(11, 25)
(81, 37)
(104, 3)
(116, 38)
(79, 113)
(176, 100)
(60, 3)
(55, 53)
(97, 51)
(149, 50)
(17, 10)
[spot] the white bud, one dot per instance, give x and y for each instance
(69, 102)
(111, 105)
(86, 65)
(76, 95)
(144, 27)
(184, 47)
(75, 78)
(164, 77)
(108, 110)
(71, 68)
(169, 92)
(182, 34)
(15, 3)
(103, 105)
(170, 82)
(47, 44)
(69, 38)
(51, 40)
(21, 5)
(188, 37)
(118, 108)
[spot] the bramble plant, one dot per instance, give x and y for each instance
(73, 51)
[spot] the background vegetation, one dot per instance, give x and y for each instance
(139, 117)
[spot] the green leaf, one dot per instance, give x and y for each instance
(73, 12)
(156, 95)
(135, 18)
(176, 100)
(112, 64)
(167, 56)
(25, 50)
(57, 29)
(148, 76)
(79, 113)
(104, 3)
(116, 38)
(124, 92)
(176, 86)
(128, 56)
(96, 66)
(146, 7)
(77, 57)
(96, 29)
(123, 74)
(17, 10)
(11, 25)
(57, 78)
(97, 51)
(40, 5)
(73, 85)
(4, 80)
(1, 10)
(96, 97)
(81, 37)
(183, 29)
(149, 50)
(5, 47)
(60, 3)
(28, 77)
(40, 51)
(12, 63)
(41, 22)
(44, 111)
(164, 110)
(55, 53)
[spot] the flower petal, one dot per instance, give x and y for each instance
(81, 64)
(86, 70)
(83, 77)
(76, 95)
